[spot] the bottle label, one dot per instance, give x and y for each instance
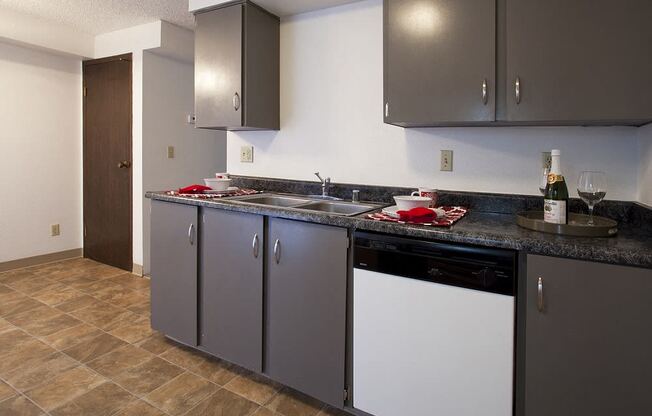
(554, 211)
(553, 177)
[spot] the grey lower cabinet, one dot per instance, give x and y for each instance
(237, 49)
(579, 61)
(305, 295)
(439, 61)
(174, 270)
(588, 338)
(231, 292)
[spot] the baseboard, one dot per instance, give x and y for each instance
(42, 259)
(137, 269)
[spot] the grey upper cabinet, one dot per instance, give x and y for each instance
(174, 270)
(231, 276)
(588, 339)
(237, 68)
(585, 61)
(439, 62)
(306, 307)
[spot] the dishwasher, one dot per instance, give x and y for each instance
(433, 328)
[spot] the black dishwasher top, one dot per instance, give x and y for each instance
(478, 268)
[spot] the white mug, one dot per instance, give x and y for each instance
(428, 193)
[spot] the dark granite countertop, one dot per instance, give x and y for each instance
(632, 245)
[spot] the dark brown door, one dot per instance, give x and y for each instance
(107, 161)
(579, 61)
(439, 61)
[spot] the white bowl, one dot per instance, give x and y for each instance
(406, 203)
(218, 184)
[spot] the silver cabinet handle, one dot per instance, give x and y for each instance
(540, 304)
(484, 91)
(277, 251)
(191, 234)
(517, 90)
(254, 246)
(387, 109)
(236, 101)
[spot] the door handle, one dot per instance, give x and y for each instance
(484, 92)
(517, 90)
(236, 101)
(254, 246)
(124, 164)
(277, 251)
(540, 300)
(191, 234)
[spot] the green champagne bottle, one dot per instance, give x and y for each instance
(555, 202)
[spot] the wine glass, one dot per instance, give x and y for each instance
(543, 181)
(592, 188)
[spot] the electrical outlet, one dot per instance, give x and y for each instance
(546, 159)
(55, 230)
(446, 160)
(170, 152)
(247, 154)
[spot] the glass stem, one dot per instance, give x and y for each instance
(590, 214)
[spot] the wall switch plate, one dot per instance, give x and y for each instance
(247, 154)
(170, 152)
(546, 160)
(446, 160)
(55, 230)
(190, 119)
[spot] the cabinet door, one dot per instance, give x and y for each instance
(174, 270)
(232, 286)
(438, 54)
(218, 68)
(581, 60)
(588, 351)
(306, 307)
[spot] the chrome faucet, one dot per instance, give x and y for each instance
(325, 184)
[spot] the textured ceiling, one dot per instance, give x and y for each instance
(101, 16)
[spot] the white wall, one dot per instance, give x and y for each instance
(40, 161)
(331, 121)
(645, 165)
(168, 97)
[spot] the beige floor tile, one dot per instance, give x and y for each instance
(143, 308)
(157, 343)
(218, 371)
(222, 403)
(104, 316)
(18, 305)
(59, 294)
(292, 403)
(37, 313)
(65, 387)
(147, 377)
(94, 348)
(11, 341)
(19, 406)
(33, 285)
(14, 276)
(77, 281)
(140, 408)
(134, 331)
(120, 360)
(72, 336)
(6, 391)
(26, 354)
(98, 286)
(5, 290)
(131, 281)
(181, 394)
(254, 387)
(124, 298)
(45, 369)
(80, 301)
(103, 400)
(5, 325)
(58, 321)
(263, 411)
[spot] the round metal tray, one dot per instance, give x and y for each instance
(577, 225)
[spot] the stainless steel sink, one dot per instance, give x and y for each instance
(306, 203)
(340, 208)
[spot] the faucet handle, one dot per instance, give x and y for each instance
(320, 179)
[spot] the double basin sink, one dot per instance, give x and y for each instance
(314, 204)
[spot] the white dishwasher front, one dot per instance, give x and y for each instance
(424, 348)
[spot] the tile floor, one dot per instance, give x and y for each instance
(75, 339)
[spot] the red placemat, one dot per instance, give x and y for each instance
(453, 214)
(239, 192)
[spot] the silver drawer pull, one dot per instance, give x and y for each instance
(277, 251)
(191, 234)
(517, 90)
(236, 101)
(484, 92)
(540, 303)
(254, 245)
